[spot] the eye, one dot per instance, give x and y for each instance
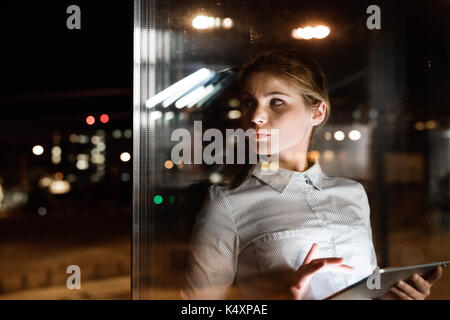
(278, 102)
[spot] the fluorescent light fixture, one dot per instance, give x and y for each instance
(193, 97)
(180, 87)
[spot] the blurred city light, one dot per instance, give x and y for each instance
(328, 136)
(215, 177)
(203, 22)
(339, 135)
(354, 135)
(38, 150)
(59, 187)
(104, 118)
(83, 138)
(227, 23)
(101, 146)
(90, 120)
(431, 124)
(95, 139)
(42, 211)
(56, 154)
(125, 156)
(71, 178)
(125, 177)
(314, 155)
(328, 155)
(127, 133)
(56, 150)
(56, 138)
(117, 134)
(234, 103)
(168, 164)
(98, 159)
(45, 182)
(82, 165)
(73, 138)
(157, 199)
(234, 114)
(306, 33)
(419, 125)
(82, 161)
(321, 32)
(59, 176)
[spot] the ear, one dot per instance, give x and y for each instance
(318, 113)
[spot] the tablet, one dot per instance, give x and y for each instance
(363, 290)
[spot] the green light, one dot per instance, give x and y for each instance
(157, 199)
(172, 199)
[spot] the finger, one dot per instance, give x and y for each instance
(311, 253)
(422, 285)
(328, 260)
(410, 291)
(400, 294)
(338, 268)
(322, 266)
(433, 277)
(312, 268)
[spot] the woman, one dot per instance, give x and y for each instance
(296, 233)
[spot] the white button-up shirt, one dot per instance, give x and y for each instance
(269, 223)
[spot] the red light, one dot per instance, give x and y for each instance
(104, 118)
(90, 120)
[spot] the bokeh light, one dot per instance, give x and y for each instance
(104, 118)
(38, 150)
(339, 135)
(354, 135)
(125, 156)
(90, 120)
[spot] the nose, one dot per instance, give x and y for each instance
(259, 117)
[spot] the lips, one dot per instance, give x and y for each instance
(261, 135)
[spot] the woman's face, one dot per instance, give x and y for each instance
(270, 102)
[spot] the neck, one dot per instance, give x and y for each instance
(294, 159)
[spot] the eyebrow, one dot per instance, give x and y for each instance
(269, 93)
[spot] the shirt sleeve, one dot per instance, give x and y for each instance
(213, 250)
(366, 217)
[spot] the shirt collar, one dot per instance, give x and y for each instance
(279, 178)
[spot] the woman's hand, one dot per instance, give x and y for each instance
(418, 289)
(302, 277)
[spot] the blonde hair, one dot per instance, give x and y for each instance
(299, 69)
